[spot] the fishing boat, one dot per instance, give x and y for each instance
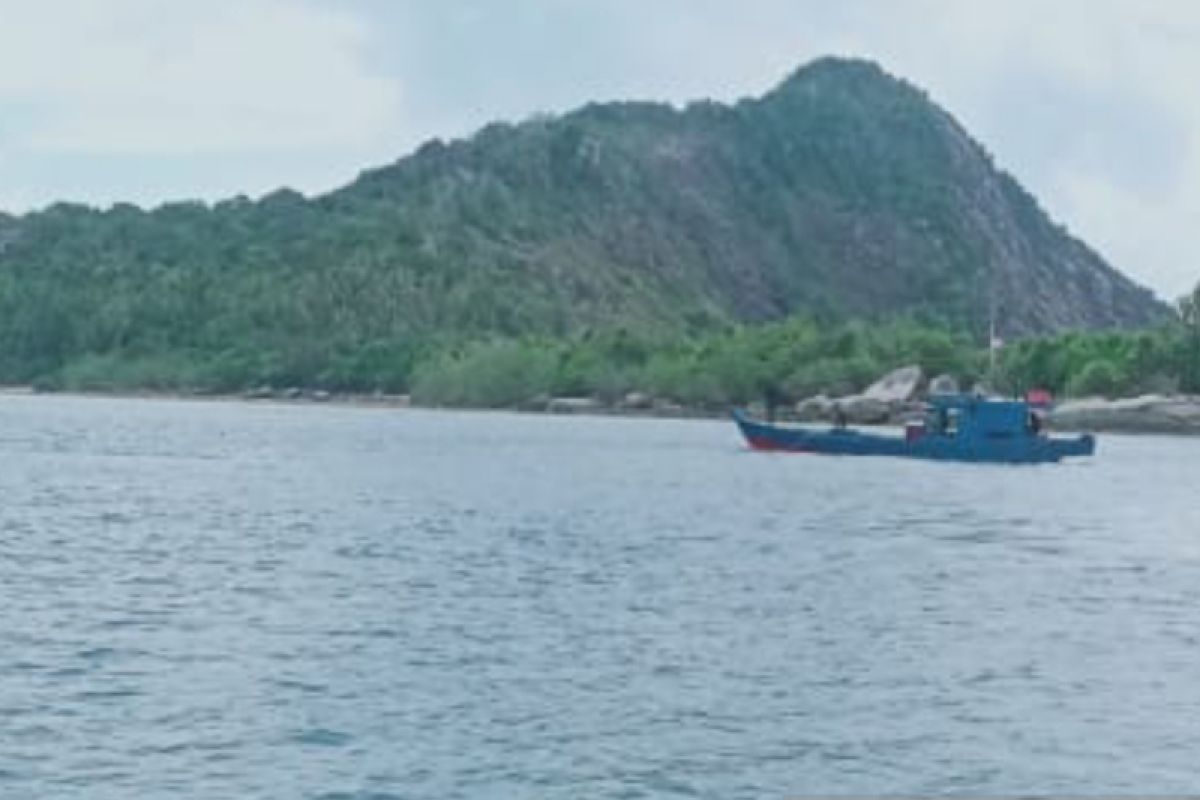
(955, 428)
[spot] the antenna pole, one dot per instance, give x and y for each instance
(992, 350)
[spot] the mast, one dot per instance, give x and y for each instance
(994, 341)
(992, 347)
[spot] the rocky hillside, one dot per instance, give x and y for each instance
(843, 193)
(843, 189)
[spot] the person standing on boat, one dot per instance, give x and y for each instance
(839, 416)
(772, 398)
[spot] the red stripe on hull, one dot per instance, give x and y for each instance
(765, 445)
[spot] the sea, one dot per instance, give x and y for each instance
(239, 600)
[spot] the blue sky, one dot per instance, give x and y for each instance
(1095, 106)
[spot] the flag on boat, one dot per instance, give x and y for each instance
(1039, 398)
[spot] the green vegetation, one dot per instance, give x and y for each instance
(1165, 359)
(792, 359)
(801, 358)
(706, 255)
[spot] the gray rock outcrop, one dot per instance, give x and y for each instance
(574, 405)
(887, 400)
(864, 410)
(898, 386)
(1146, 414)
(815, 409)
(637, 401)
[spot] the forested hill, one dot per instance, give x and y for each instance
(843, 192)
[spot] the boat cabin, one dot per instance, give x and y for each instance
(972, 417)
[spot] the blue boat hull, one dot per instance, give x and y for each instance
(849, 442)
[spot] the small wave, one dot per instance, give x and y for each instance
(322, 737)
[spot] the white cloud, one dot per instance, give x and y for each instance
(149, 78)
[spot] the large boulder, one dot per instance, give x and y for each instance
(898, 386)
(1146, 414)
(943, 384)
(864, 410)
(884, 401)
(888, 399)
(637, 401)
(815, 409)
(574, 405)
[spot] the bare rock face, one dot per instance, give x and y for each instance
(1146, 414)
(898, 386)
(883, 401)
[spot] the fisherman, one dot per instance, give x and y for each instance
(839, 416)
(772, 398)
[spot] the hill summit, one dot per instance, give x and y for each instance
(842, 192)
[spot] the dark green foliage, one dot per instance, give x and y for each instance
(1159, 360)
(795, 359)
(486, 375)
(1189, 341)
(792, 359)
(1099, 377)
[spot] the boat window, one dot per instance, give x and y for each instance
(952, 423)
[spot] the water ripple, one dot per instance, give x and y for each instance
(215, 600)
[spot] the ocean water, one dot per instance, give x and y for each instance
(220, 600)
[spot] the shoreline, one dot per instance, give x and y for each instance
(364, 401)
(1139, 416)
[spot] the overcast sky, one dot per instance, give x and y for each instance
(1093, 105)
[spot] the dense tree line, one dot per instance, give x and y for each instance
(792, 359)
(800, 358)
(1164, 359)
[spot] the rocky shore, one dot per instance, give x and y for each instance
(893, 400)
(899, 396)
(1147, 414)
